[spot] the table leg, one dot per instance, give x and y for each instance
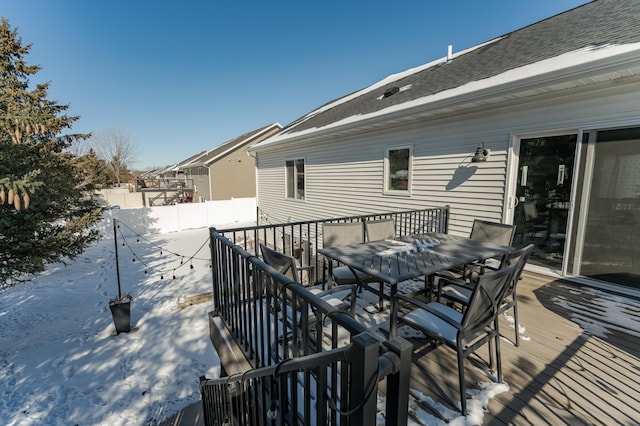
(429, 287)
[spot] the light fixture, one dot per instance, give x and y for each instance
(480, 155)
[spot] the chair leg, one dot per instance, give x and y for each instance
(491, 359)
(463, 386)
(498, 355)
(516, 324)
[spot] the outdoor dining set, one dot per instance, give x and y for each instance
(466, 283)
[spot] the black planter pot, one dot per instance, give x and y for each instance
(121, 312)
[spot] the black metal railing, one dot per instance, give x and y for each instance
(331, 387)
(301, 347)
(302, 240)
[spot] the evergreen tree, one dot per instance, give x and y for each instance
(94, 169)
(46, 206)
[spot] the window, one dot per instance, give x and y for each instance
(201, 174)
(295, 179)
(397, 164)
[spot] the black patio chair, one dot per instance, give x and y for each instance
(288, 267)
(342, 234)
(501, 234)
(464, 332)
(460, 291)
(492, 232)
(380, 229)
(301, 320)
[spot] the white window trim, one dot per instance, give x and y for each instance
(286, 180)
(396, 192)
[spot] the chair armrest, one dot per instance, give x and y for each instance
(310, 273)
(337, 289)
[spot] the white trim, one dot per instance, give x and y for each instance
(395, 192)
(587, 181)
(241, 143)
(286, 179)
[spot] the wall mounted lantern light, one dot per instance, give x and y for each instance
(480, 155)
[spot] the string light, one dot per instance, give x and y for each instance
(183, 258)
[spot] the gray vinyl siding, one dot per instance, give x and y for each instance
(344, 175)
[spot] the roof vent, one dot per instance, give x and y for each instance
(391, 91)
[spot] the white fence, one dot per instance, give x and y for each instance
(179, 217)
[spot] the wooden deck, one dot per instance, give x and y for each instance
(562, 373)
(578, 364)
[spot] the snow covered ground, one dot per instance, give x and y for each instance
(61, 362)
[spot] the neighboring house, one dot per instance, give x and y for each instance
(555, 106)
(226, 171)
(166, 186)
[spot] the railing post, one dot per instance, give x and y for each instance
(364, 380)
(398, 383)
(447, 210)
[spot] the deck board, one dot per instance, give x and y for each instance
(560, 374)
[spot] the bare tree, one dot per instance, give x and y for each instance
(117, 150)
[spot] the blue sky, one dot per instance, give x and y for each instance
(182, 77)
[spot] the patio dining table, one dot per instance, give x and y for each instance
(393, 261)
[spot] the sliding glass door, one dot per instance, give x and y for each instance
(543, 197)
(611, 230)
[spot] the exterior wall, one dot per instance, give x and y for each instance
(201, 182)
(121, 197)
(344, 175)
(233, 176)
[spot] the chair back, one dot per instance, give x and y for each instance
(519, 258)
(486, 298)
(380, 229)
(342, 234)
(492, 232)
(281, 262)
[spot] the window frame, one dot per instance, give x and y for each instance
(387, 170)
(294, 162)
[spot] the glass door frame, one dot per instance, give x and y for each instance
(510, 199)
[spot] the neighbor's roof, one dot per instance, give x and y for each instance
(176, 166)
(588, 34)
(205, 158)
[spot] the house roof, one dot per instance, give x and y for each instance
(582, 38)
(176, 166)
(205, 158)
